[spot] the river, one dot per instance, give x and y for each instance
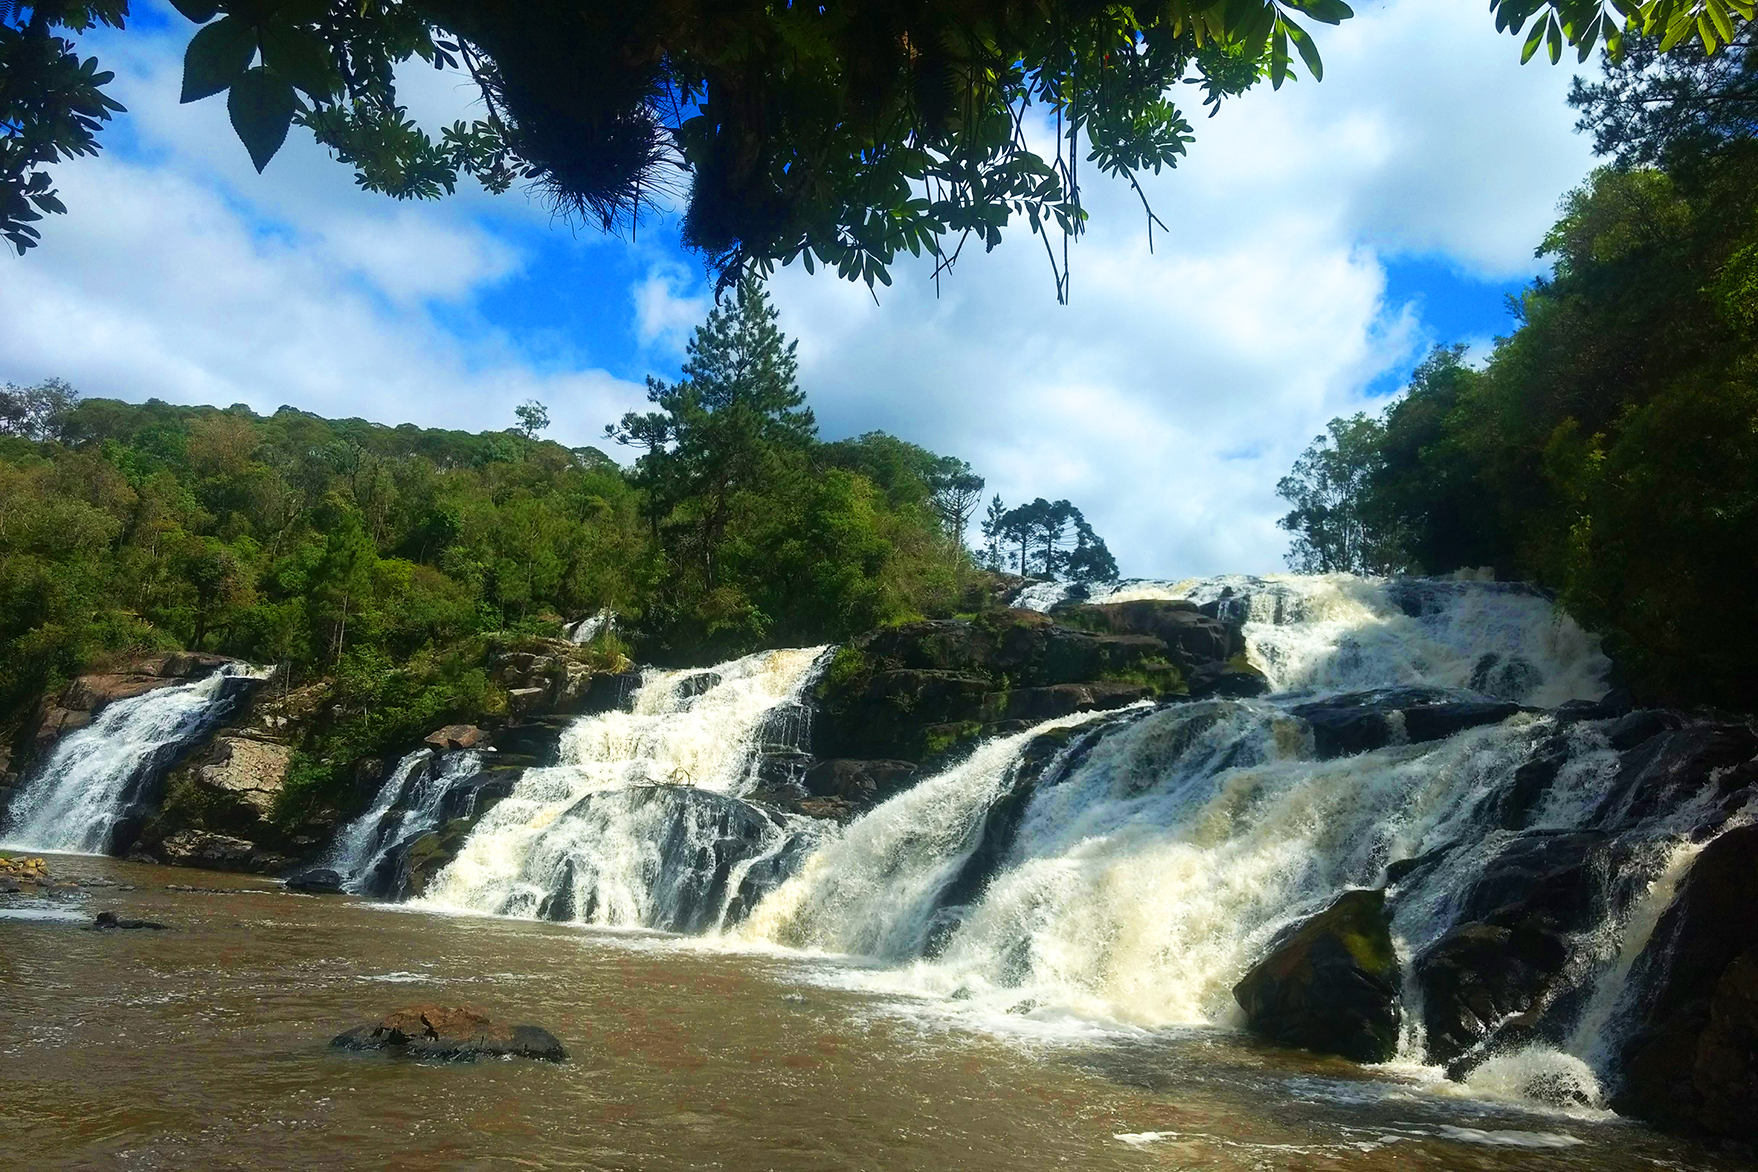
(206, 1046)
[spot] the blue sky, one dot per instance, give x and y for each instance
(1323, 238)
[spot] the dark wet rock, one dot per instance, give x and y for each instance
(318, 881)
(1192, 638)
(409, 866)
(694, 685)
(865, 784)
(451, 1034)
(108, 921)
(1405, 869)
(1505, 677)
(1478, 978)
(1692, 1063)
(1362, 721)
(1670, 768)
(1330, 983)
(1235, 679)
(537, 738)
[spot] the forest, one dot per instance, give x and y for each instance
(1607, 449)
(383, 556)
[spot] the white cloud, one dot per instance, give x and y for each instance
(1165, 400)
(664, 316)
(1177, 387)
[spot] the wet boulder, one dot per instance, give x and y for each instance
(1330, 983)
(1485, 978)
(1359, 722)
(318, 881)
(111, 922)
(455, 736)
(1701, 759)
(1692, 1063)
(217, 852)
(1236, 679)
(451, 1034)
(1192, 637)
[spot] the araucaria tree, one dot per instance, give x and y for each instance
(1049, 539)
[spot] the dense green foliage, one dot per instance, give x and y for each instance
(348, 549)
(840, 134)
(1608, 449)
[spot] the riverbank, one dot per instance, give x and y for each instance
(206, 1045)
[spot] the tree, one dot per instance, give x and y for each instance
(717, 432)
(533, 418)
(36, 412)
(1647, 108)
(957, 490)
(1329, 489)
(994, 530)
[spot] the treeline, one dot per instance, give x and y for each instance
(381, 556)
(1608, 448)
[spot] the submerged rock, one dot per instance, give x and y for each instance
(108, 921)
(1330, 983)
(451, 1034)
(1362, 721)
(319, 881)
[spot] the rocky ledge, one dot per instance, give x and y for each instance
(451, 1034)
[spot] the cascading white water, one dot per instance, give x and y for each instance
(639, 823)
(591, 627)
(95, 774)
(408, 804)
(1333, 633)
(1155, 864)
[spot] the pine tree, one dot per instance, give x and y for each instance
(737, 409)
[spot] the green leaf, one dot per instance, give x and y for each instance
(200, 11)
(1532, 42)
(1554, 39)
(1718, 16)
(1278, 57)
(217, 57)
(1308, 51)
(262, 105)
(1327, 11)
(302, 58)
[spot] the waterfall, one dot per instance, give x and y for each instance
(1333, 633)
(641, 822)
(99, 777)
(1136, 874)
(411, 802)
(591, 627)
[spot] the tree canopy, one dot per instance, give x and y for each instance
(839, 134)
(1608, 448)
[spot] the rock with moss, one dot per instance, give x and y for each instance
(1330, 983)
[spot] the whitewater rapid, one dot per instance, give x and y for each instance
(98, 776)
(640, 802)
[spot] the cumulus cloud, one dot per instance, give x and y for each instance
(1165, 400)
(1179, 385)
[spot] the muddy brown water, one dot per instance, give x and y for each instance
(206, 1046)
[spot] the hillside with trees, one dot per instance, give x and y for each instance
(1607, 448)
(382, 557)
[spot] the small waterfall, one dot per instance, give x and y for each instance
(591, 627)
(411, 802)
(100, 776)
(1334, 633)
(642, 822)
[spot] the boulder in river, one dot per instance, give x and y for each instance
(1330, 983)
(110, 922)
(451, 1034)
(1693, 1062)
(317, 881)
